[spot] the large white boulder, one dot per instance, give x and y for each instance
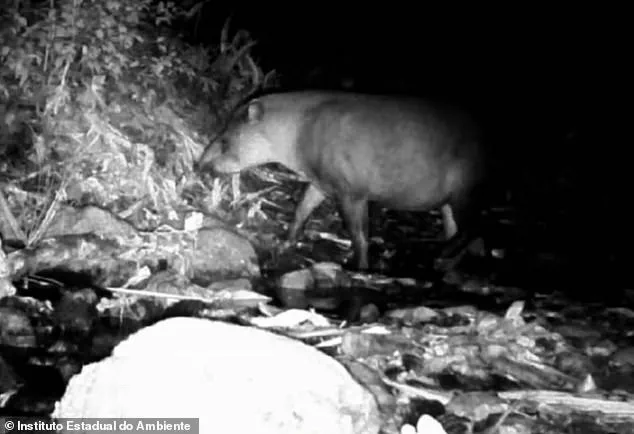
(234, 379)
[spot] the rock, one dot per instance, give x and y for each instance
(220, 254)
(322, 286)
(293, 287)
(15, 329)
(234, 379)
(88, 220)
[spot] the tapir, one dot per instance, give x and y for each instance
(403, 153)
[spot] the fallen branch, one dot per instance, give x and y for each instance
(549, 400)
(142, 293)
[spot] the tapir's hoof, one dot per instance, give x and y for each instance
(362, 267)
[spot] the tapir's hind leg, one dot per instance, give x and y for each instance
(462, 223)
(450, 226)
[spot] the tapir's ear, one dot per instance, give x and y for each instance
(255, 112)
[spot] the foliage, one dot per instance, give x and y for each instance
(99, 93)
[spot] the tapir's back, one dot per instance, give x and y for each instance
(404, 152)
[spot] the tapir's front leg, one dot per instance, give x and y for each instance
(354, 212)
(312, 198)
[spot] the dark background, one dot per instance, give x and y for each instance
(503, 54)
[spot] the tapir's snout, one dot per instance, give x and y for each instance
(218, 165)
(225, 164)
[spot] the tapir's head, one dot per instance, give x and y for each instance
(252, 138)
